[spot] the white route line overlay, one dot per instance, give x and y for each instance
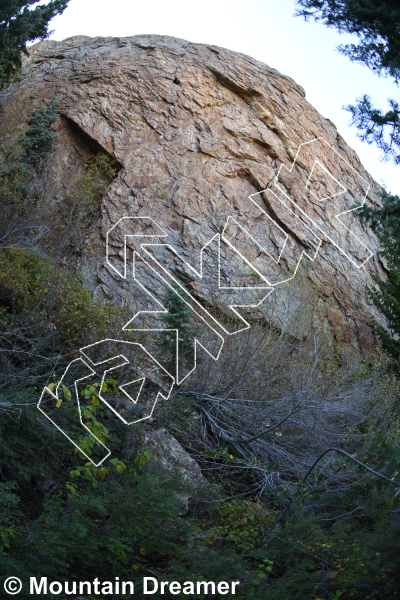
(165, 311)
(163, 234)
(283, 191)
(193, 301)
(56, 395)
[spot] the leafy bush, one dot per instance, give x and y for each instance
(241, 522)
(46, 315)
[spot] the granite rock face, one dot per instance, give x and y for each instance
(200, 134)
(167, 452)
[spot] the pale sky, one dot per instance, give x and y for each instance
(263, 29)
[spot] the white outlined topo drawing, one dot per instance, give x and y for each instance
(307, 205)
(83, 369)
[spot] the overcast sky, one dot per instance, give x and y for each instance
(264, 29)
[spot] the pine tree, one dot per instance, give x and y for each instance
(17, 198)
(385, 222)
(19, 24)
(387, 298)
(38, 141)
(178, 317)
(377, 24)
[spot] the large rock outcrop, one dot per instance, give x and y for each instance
(199, 133)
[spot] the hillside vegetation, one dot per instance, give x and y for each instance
(296, 437)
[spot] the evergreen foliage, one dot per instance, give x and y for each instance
(377, 24)
(376, 127)
(38, 141)
(385, 222)
(113, 520)
(17, 198)
(177, 318)
(63, 518)
(20, 24)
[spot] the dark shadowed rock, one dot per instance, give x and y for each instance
(167, 452)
